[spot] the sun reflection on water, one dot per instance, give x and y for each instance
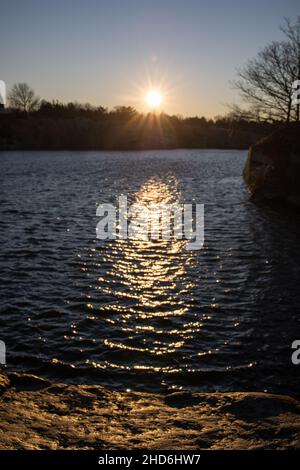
(147, 288)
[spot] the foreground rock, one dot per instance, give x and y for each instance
(35, 414)
(272, 169)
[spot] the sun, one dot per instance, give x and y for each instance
(153, 99)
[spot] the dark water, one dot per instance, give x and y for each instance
(146, 315)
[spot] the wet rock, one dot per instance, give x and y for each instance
(4, 382)
(181, 399)
(27, 381)
(63, 416)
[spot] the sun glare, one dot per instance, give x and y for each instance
(153, 99)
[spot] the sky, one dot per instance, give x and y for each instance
(111, 52)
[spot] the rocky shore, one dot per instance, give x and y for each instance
(272, 169)
(36, 414)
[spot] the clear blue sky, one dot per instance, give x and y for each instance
(106, 51)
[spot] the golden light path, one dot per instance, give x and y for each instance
(146, 268)
(148, 285)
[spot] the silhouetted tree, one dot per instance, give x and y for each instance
(23, 97)
(266, 81)
(292, 32)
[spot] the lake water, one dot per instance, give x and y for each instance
(147, 316)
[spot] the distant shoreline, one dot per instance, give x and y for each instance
(121, 132)
(150, 149)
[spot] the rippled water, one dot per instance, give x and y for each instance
(146, 315)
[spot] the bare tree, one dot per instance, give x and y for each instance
(23, 97)
(292, 32)
(266, 82)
